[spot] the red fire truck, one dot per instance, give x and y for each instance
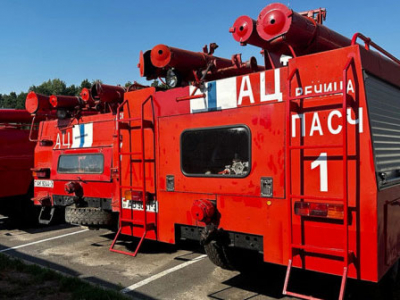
(74, 158)
(16, 161)
(298, 162)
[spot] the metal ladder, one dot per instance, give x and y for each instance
(302, 249)
(131, 124)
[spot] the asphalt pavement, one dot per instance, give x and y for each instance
(159, 271)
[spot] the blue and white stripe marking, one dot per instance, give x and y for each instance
(220, 94)
(82, 135)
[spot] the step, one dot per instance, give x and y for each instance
(149, 226)
(322, 250)
(132, 124)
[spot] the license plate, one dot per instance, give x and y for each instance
(44, 183)
(152, 206)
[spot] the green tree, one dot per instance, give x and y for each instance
(20, 101)
(9, 101)
(85, 84)
(50, 87)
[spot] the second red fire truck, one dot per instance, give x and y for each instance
(16, 161)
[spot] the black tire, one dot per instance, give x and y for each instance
(229, 258)
(217, 253)
(88, 216)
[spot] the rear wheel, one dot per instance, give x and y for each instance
(217, 253)
(231, 258)
(88, 216)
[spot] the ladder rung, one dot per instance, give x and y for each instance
(130, 187)
(320, 250)
(140, 160)
(129, 120)
(130, 153)
(315, 147)
(305, 297)
(138, 123)
(316, 198)
(150, 226)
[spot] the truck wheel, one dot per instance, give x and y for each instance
(242, 260)
(87, 216)
(217, 253)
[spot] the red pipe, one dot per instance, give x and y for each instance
(107, 93)
(15, 116)
(164, 56)
(244, 31)
(300, 32)
(65, 101)
(278, 29)
(37, 103)
(85, 95)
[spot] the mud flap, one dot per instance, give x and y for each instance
(46, 215)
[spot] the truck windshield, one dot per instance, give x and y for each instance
(81, 164)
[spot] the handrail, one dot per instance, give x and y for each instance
(368, 42)
(30, 131)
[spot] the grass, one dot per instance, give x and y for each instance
(21, 280)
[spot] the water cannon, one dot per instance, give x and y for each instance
(107, 93)
(244, 31)
(179, 67)
(163, 56)
(86, 96)
(147, 69)
(280, 30)
(65, 102)
(37, 103)
(65, 105)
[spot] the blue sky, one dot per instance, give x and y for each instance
(97, 39)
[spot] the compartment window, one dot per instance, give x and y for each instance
(216, 152)
(81, 164)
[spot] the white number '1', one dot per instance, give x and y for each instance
(322, 162)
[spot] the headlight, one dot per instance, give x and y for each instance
(172, 78)
(61, 113)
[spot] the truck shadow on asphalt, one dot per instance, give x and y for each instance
(258, 282)
(262, 280)
(12, 224)
(267, 280)
(128, 244)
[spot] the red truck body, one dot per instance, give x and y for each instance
(310, 170)
(298, 162)
(16, 161)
